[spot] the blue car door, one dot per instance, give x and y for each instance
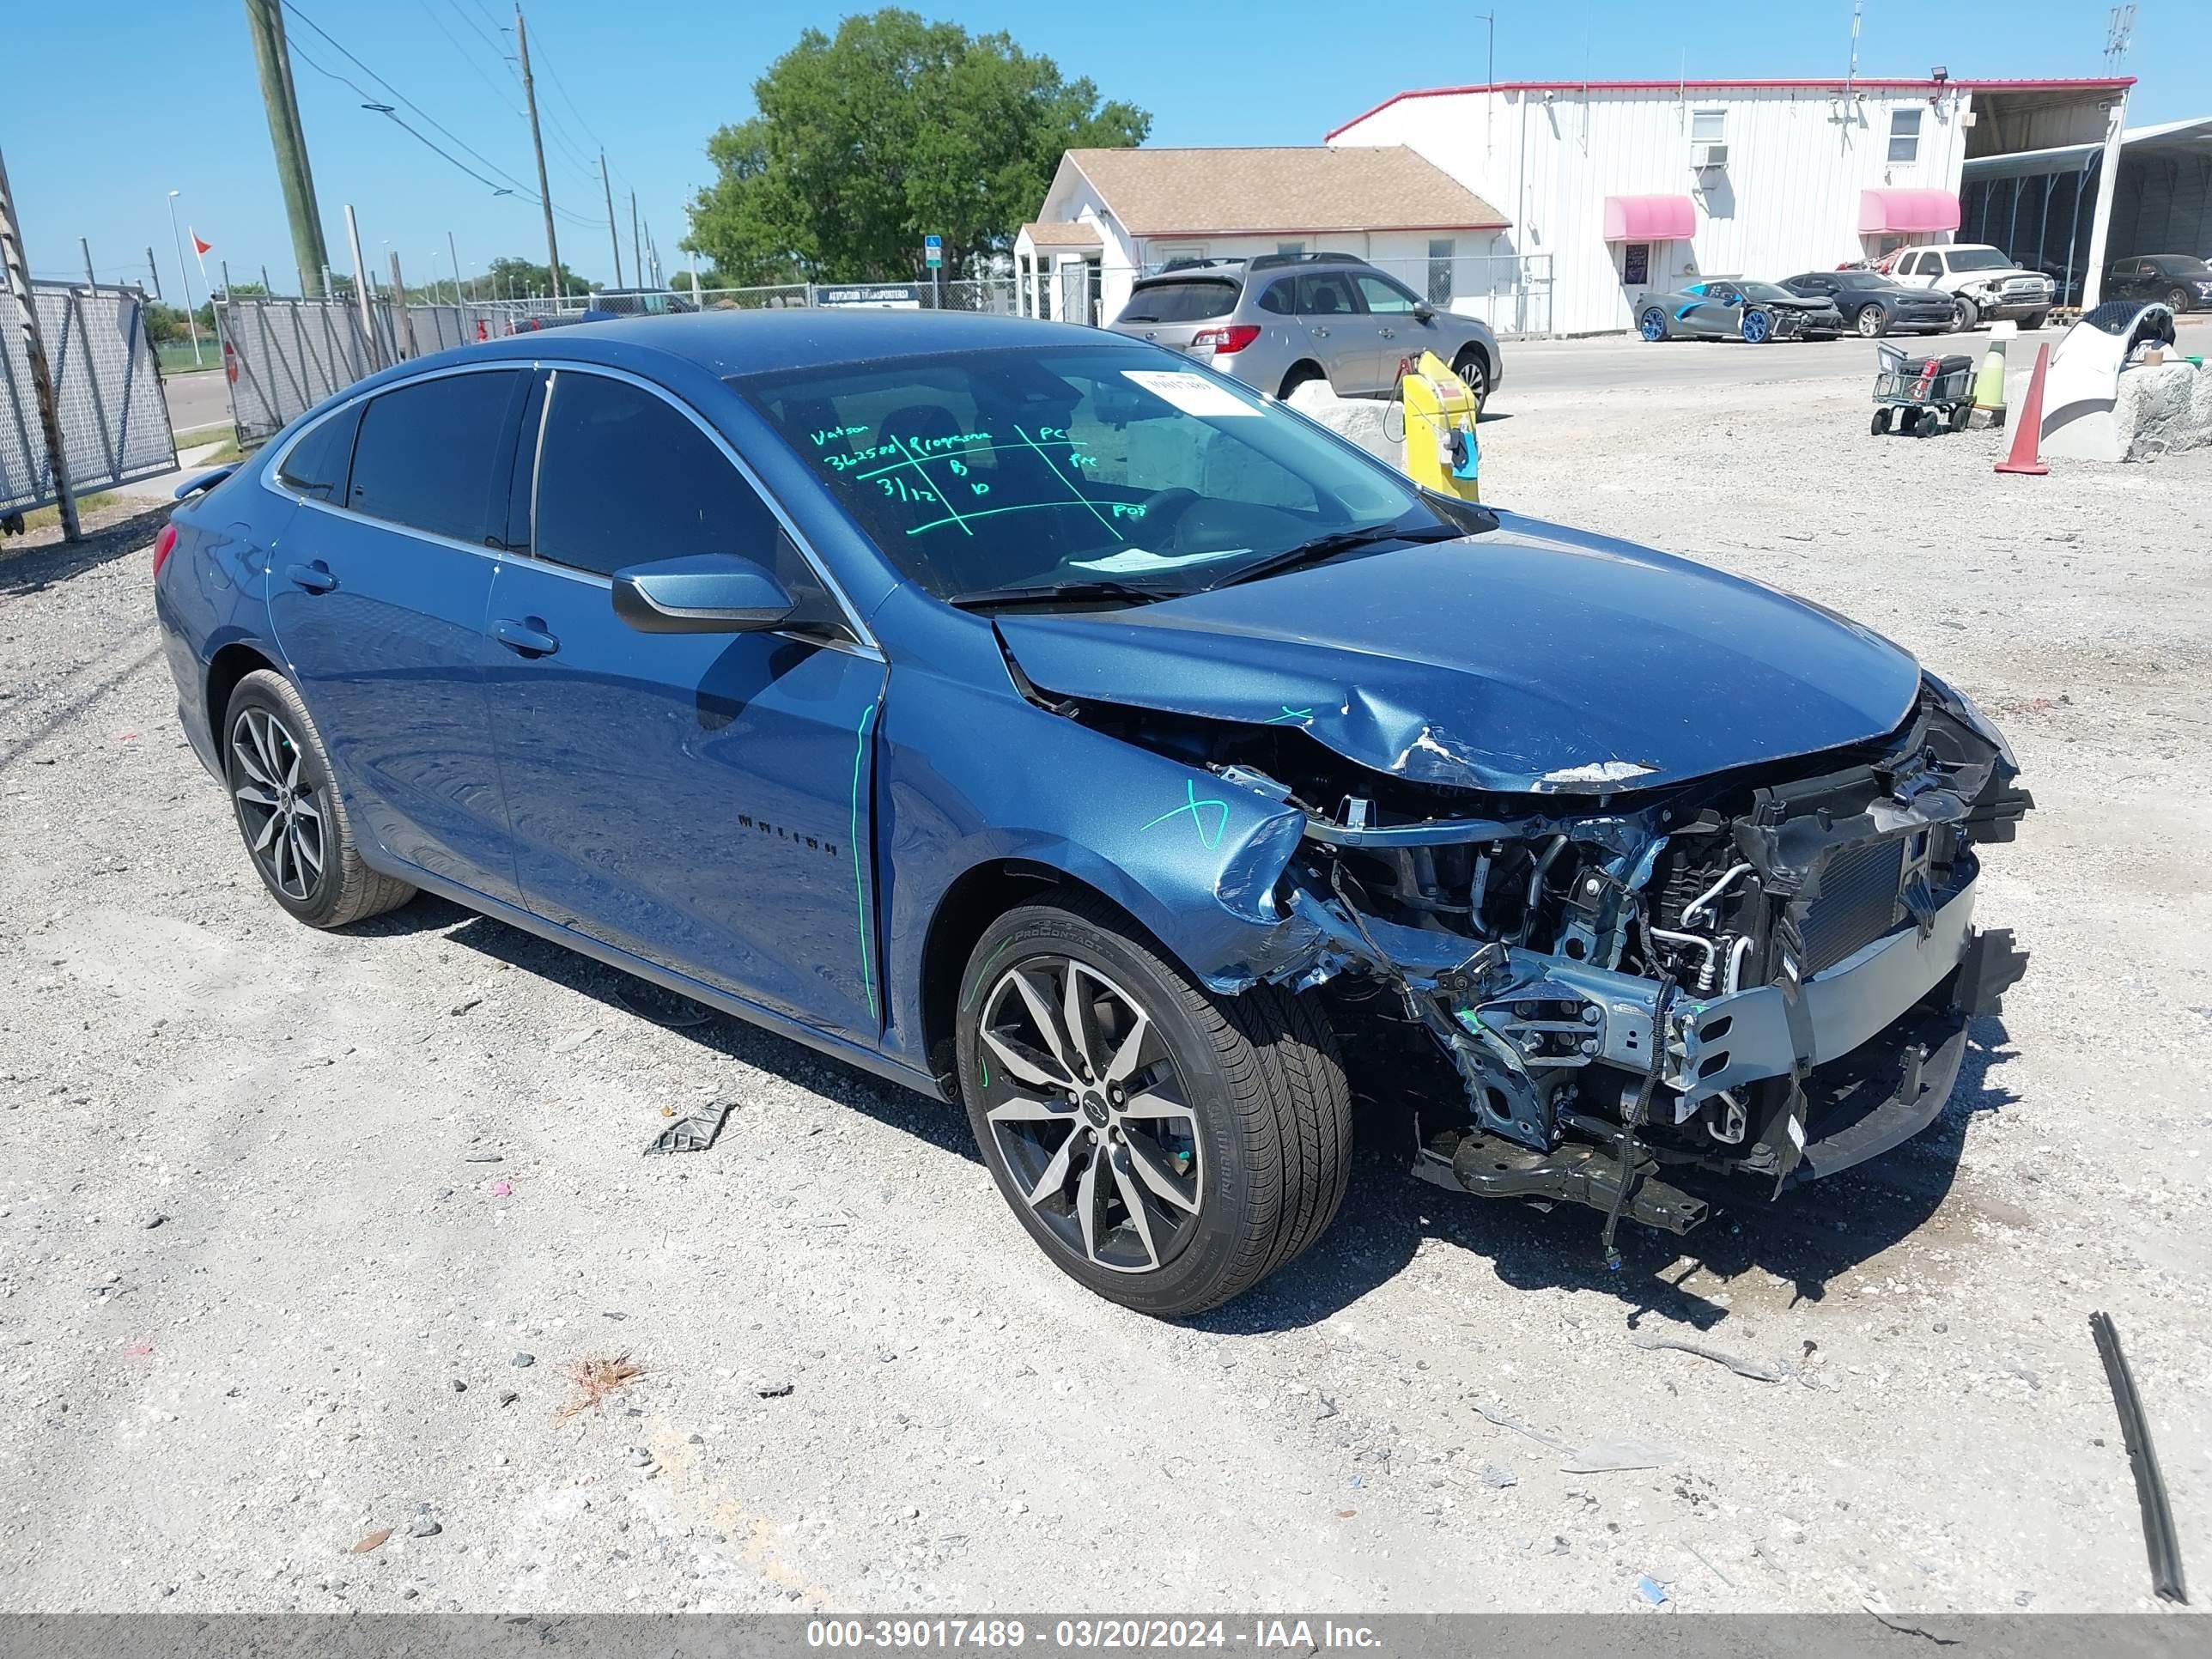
(700, 800)
(378, 589)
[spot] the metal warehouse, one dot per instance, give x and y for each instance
(1637, 187)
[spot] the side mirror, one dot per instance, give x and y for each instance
(1424, 312)
(709, 593)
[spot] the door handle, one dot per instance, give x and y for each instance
(522, 637)
(316, 578)
(1321, 334)
(1389, 333)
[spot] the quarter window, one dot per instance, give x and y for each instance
(1277, 299)
(623, 479)
(317, 463)
(426, 454)
(1904, 136)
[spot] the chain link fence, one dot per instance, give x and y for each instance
(281, 357)
(107, 391)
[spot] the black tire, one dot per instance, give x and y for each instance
(2034, 319)
(1473, 368)
(2177, 300)
(1960, 414)
(1269, 1112)
(1300, 374)
(1880, 425)
(271, 751)
(1871, 322)
(1966, 315)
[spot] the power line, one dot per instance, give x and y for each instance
(461, 51)
(477, 28)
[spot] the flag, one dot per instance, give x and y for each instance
(200, 248)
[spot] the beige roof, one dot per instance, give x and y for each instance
(1178, 193)
(1076, 234)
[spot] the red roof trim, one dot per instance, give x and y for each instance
(1325, 230)
(2117, 83)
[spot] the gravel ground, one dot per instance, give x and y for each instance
(281, 1214)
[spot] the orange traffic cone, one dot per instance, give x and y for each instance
(2027, 436)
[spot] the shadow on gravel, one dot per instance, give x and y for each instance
(1810, 1236)
(943, 1127)
(41, 566)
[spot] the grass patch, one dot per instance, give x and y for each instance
(46, 517)
(177, 358)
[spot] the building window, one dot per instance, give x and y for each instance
(1904, 136)
(1441, 249)
(1635, 263)
(1291, 249)
(1709, 138)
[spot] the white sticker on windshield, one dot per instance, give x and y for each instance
(1194, 394)
(1129, 560)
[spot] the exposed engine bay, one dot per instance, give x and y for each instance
(1763, 974)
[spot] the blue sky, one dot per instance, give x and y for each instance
(117, 112)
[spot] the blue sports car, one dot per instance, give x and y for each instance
(1025, 714)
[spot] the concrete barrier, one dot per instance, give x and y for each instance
(2164, 410)
(1359, 419)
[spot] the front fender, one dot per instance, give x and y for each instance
(973, 777)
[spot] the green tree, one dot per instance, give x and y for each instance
(893, 129)
(164, 323)
(514, 278)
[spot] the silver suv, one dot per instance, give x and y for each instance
(1280, 320)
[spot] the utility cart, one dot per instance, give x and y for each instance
(1920, 395)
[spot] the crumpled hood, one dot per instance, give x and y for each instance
(1531, 659)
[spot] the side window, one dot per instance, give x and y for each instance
(1384, 297)
(317, 464)
(427, 452)
(1325, 294)
(1904, 136)
(1277, 299)
(623, 478)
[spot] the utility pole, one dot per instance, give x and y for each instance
(266, 23)
(636, 260)
(613, 236)
(538, 143)
(15, 270)
(154, 271)
(360, 285)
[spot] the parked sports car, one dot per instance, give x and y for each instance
(1871, 305)
(1727, 309)
(1037, 719)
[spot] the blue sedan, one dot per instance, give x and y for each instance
(1028, 716)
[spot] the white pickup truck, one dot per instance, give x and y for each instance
(1983, 282)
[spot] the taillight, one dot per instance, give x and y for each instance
(1222, 340)
(164, 545)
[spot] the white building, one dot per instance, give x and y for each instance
(1112, 214)
(1617, 188)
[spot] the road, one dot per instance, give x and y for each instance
(197, 400)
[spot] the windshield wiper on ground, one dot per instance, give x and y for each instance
(1337, 541)
(1054, 593)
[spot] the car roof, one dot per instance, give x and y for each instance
(726, 343)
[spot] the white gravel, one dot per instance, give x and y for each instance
(864, 1389)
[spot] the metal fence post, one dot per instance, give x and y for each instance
(18, 271)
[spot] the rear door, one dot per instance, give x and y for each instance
(701, 800)
(378, 587)
(1340, 334)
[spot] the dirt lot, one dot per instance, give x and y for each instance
(863, 1388)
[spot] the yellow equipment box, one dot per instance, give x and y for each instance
(1441, 451)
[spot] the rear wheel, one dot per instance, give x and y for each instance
(1872, 322)
(1303, 374)
(1473, 368)
(1960, 414)
(290, 812)
(1652, 324)
(1166, 1147)
(1880, 421)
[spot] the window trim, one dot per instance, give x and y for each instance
(1914, 136)
(864, 640)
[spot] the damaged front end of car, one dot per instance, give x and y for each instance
(1620, 996)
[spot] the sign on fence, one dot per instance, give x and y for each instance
(107, 391)
(883, 297)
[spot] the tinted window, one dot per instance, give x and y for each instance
(317, 463)
(427, 453)
(1277, 299)
(1384, 297)
(1180, 303)
(1325, 295)
(623, 478)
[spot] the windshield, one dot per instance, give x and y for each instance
(2181, 264)
(1767, 291)
(1979, 259)
(976, 472)
(1861, 279)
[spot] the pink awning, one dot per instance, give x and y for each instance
(1649, 219)
(1906, 212)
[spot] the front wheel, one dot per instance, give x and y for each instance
(1965, 316)
(2034, 320)
(289, 812)
(1758, 327)
(1652, 324)
(1872, 322)
(1880, 422)
(1473, 368)
(2176, 300)
(1166, 1147)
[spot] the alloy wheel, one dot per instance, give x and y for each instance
(284, 822)
(1653, 327)
(1870, 321)
(1091, 1115)
(1756, 326)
